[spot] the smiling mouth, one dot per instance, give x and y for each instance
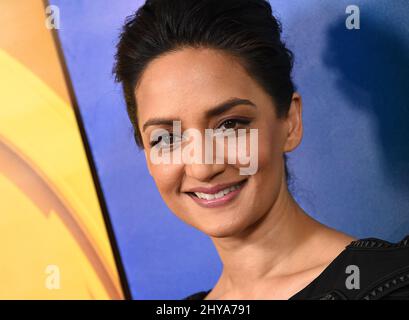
(219, 198)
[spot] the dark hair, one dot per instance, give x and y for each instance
(244, 28)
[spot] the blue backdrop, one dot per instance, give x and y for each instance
(352, 168)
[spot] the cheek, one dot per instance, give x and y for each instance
(268, 179)
(167, 178)
(269, 154)
(270, 147)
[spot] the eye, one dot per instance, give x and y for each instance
(164, 141)
(232, 123)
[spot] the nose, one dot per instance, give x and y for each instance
(204, 172)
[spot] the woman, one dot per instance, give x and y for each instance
(221, 65)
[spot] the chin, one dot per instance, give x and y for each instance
(222, 229)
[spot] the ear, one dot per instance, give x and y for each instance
(294, 124)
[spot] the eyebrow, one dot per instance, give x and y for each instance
(215, 111)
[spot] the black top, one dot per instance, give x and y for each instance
(368, 269)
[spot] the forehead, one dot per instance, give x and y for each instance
(183, 82)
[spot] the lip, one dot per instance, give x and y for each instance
(215, 189)
(226, 199)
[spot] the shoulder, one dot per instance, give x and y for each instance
(369, 269)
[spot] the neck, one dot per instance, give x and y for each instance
(270, 247)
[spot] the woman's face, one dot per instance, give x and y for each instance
(185, 85)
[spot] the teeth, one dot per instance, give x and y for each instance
(221, 193)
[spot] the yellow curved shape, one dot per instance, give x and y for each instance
(50, 215)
